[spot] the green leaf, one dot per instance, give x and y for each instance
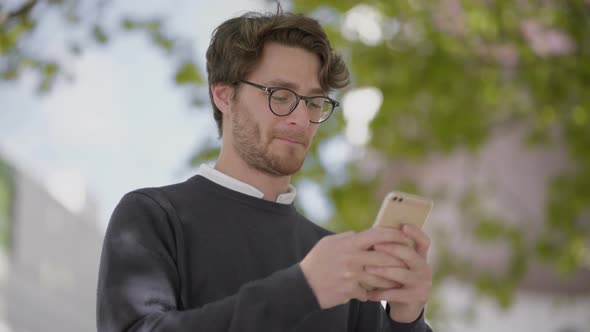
(10, 74)
(99, 34)
(162, 41)
(50, 69)
(205, 155)
(188, 74)
(129, 24)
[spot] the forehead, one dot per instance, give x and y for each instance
(289, 66)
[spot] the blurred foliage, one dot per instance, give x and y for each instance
(81, 24)
(450, 71)
(6, 204)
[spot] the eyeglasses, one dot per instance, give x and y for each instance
(283, 101)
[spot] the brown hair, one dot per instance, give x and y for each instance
(236, 46)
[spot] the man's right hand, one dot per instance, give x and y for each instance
(335, 266)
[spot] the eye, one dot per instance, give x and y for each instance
(316, 103)
(278, 98)
(282, 96)
(314, 106)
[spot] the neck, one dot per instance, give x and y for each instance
(272, 186)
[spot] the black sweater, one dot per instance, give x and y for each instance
(196, 256)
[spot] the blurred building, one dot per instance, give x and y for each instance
(48, 259)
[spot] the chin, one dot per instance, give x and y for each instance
(283, 169)
(284, 166)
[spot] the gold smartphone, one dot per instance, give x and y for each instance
(402, 208)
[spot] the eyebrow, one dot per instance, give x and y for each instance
(293, 86)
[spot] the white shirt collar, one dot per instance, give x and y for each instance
(234, 184)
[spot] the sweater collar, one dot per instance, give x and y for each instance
(229, 182)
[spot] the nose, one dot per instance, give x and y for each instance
(300, 115)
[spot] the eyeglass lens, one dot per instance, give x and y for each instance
(282, 101)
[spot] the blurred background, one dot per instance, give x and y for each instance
(481, 105)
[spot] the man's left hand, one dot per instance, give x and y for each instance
(408, 300)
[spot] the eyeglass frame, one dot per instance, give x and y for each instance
(271, 90)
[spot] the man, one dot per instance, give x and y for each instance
(227, 250)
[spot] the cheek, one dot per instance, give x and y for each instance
(269, 124)
(313, 129)
(265, 129)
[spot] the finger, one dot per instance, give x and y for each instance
(376, 258)
(404, 277)
(370, 281)
(375, 235)
(360, 293)
(408, 255)
(388, 248)
(406, 240)
(420, 238)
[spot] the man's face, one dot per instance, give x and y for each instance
(266, 142)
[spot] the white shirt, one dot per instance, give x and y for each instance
(234, 184)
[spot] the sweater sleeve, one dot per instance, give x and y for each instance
(139, 287)
(370, 316)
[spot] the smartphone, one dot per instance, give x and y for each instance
(402, 208)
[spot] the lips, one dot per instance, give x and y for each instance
(291, 136)
(291, 140)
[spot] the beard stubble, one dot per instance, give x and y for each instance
(255, 150)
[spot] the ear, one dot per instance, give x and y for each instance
(222, 95)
